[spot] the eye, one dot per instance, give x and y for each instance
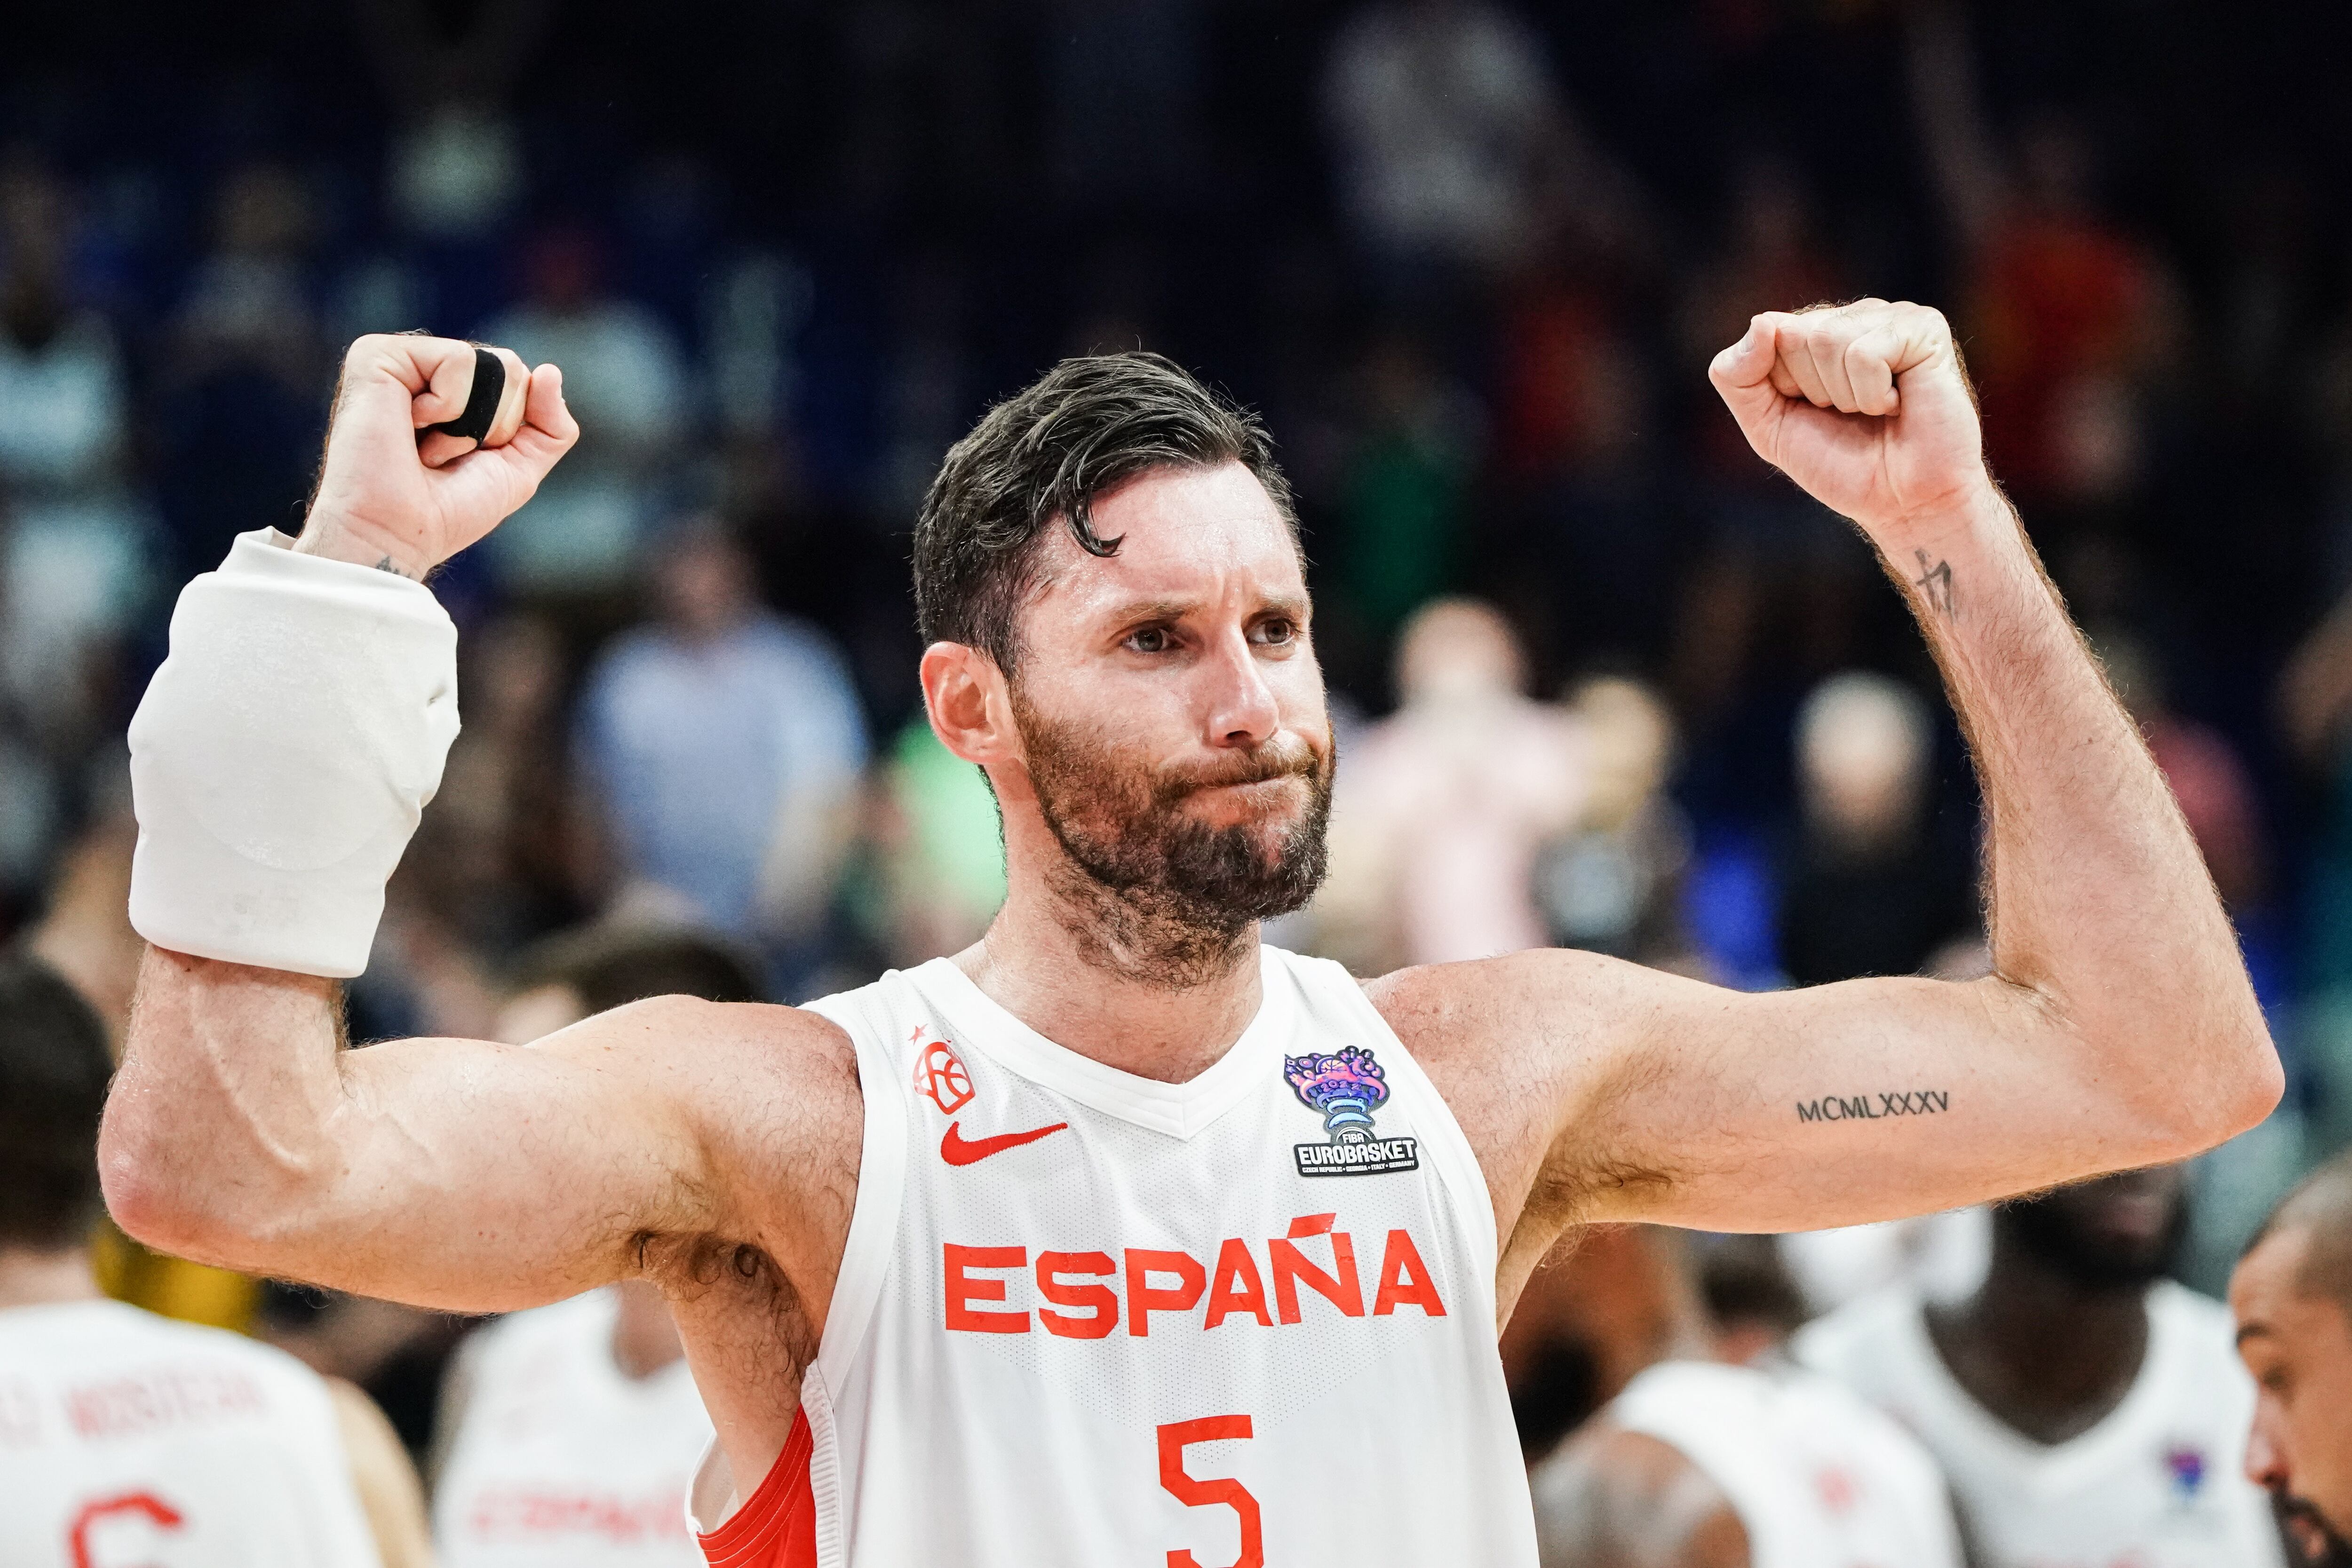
(1277, 630)
(1150, 640)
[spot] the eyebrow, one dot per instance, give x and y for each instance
(2250, 1330)
(1173, 608)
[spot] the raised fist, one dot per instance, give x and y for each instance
(394, 498)
(1864, 406)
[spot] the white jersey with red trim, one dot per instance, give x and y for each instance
(560, 1459)
(130, 1442)
(1087, 1318)
(2159, 1483)
(1818, 1479)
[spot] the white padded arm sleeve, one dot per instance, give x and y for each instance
(283, 753)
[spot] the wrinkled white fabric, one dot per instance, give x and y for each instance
(283, 754)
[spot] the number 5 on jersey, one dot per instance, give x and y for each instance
(1211, 1491)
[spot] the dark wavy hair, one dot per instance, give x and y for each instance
(1084, 428)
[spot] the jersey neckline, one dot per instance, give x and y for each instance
(2090, 1453)
(1177, 1109)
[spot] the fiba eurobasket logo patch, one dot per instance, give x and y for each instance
(1344, 1090)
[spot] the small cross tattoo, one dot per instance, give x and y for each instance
(1936, 583)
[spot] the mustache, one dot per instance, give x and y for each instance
(1287, 755)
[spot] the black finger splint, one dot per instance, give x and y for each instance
(482, 403)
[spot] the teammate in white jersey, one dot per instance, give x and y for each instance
(127, 1438)
(563, 1457)
(2087, 1412)
(1722, 1454)
(1152, 1246)
(572, 1429)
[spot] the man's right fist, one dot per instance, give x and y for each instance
(391, 498)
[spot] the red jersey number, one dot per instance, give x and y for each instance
(159, 1515)
(1213, 1492)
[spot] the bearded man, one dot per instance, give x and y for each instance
(1118, 1238)
(2293, 1296)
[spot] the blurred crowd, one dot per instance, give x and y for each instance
(1604, 681)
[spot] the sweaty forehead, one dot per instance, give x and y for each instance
(1186, 535)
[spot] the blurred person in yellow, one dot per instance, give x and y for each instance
(568, 1432)
(84, 937)
(121, 1432)
(2292, 1297)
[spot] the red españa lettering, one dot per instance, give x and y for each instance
(1164, 1281)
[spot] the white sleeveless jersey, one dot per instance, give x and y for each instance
(1087, 1318)
(2157, 1484)
(1818, 1479)
(562, 1461)
(130, 1442)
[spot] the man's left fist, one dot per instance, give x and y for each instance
(1864, 406)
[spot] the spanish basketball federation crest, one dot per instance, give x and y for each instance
(1345, 1089)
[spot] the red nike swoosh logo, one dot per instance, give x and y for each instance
(958, 1150)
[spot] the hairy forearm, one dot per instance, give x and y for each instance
(217, 1124)
(2099, 904)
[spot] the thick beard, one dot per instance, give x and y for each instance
(2311, 1539)
(1149, 893)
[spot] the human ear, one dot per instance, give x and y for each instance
(971, 711)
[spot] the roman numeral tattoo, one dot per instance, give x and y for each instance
(1874, 1107)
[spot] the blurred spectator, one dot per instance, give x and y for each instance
(504, 855)
(1773, 556)
(625, 381)
(1712, 1458)
(569, 1433)
(109, 1456)
(2315, 705)
(1866, 890)
(76, 542)
(942, 850)
(725, 743)
(240, 415)
(2293, 1301)
(1612, 883)
(1442, 808)
(1406, 489)
(1441, 111)
(2064, 309)
(2084, 1408)
(2201, 766)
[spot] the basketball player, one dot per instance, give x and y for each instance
(573, 1428)
(2293, 1295)
(1705, 1460)
(126, 1437)
(1118, 1237)
(2086, 1410)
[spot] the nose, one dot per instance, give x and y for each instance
(1243, 711)
(2266, 1458)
